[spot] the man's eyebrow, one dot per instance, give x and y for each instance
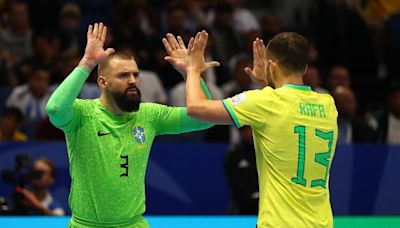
(129, 72)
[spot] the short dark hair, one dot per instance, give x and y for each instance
(290, 50)
(116, 55)
(13, 112)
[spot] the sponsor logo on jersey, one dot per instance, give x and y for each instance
(99, 133)
(138, 134)
(237, 99)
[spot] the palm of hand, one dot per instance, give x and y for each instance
(197, 60)
(259, 69)
(94, 50)
(181, 59)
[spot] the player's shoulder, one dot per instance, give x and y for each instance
(87, 107)
(145, 106)
(267, 89)
(150, 109)
(85, 103)
(328, 101)
(325, 97)
(257, 93)
(251, 96)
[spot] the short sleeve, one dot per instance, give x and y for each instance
(248, 108)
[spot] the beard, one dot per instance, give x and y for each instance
(126, 102)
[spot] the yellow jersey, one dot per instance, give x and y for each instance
(295, 134)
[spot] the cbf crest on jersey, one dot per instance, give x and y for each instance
(138, 134)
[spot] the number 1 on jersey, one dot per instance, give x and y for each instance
(320, 158)
(301, 130)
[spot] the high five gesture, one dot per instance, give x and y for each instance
(94, 51)
(177, 54)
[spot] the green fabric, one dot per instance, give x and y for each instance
(96, 162)
(108, 153)
(59, 106)
(366, 221)
(137, 222)
(231, 113)
(205, 89)
(298, 87)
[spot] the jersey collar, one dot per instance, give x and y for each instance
(123, 118)
(298, 87)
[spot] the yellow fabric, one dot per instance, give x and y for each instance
(376, 9)
(18, 136)
(273, 116)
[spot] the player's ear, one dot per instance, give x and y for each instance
(102, 82)
(305, 69)
(271, 66)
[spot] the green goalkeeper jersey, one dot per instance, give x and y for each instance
(108, 153)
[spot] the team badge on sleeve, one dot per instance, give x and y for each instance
(237, 99)
(138, 133)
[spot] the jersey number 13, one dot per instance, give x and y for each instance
(321, 158)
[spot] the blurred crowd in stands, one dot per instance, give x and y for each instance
(354, 55)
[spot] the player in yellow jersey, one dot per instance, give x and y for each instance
(294, 129)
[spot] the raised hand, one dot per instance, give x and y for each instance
(258, 73)
(196, 49)
(177, 54)
(94, 52)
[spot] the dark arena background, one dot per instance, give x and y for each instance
(192, 179)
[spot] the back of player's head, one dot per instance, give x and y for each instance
(290, 50)
(121, 55)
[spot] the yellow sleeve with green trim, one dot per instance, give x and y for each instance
(248, 108)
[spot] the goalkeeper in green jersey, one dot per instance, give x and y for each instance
(109, 138)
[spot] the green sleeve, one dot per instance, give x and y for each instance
(205, 89)
(60, 107)
(175, 120)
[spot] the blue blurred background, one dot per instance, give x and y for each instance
(354, 55)
(189, 179)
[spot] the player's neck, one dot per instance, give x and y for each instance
(289, 79)
(110, 105)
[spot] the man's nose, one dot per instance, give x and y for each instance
(132, 79)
